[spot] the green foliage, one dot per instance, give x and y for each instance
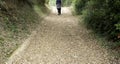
(67, 2)
(114, 45)
(101, 15)
(117, 26)
(80, 5)
(1, 41)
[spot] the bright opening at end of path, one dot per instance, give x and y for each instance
(64, 10)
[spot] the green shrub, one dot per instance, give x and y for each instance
(80, 5)
(100, 15)
(117, 26)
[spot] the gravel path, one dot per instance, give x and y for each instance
(62, 40)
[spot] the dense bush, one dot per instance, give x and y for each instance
(102, 16)
(80, 5)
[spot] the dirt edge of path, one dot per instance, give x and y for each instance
(20, 49)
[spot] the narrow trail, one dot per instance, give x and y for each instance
(62, 40)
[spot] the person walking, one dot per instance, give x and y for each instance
(58, 4)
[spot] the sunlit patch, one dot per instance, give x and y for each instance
(64, 10)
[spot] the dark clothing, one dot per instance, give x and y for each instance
(59, 11)
(58, 4)
(58, 1)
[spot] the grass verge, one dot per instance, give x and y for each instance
(15, 26)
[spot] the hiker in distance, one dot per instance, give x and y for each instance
(58, 4)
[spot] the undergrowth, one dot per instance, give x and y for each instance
(103, 18)
(15, 26)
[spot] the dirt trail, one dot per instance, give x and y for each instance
(62, 40)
